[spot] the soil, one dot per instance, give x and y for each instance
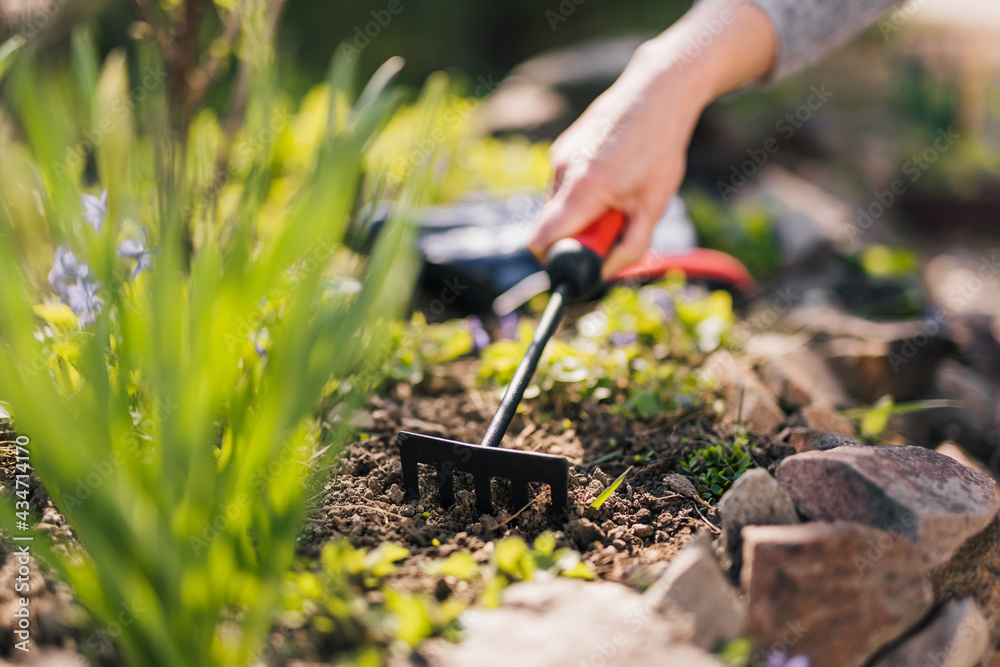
(631, 538)
(633, 535)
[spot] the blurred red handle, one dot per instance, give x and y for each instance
(603, 233)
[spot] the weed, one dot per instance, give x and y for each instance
(719, 464)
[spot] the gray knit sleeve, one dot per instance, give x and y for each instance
(807, 29)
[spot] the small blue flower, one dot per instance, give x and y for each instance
(95, 210)
(82, 298)
(480, 338)
(781, 659)
(68, 277)
(137, 250)
(621, 338)
(508, 326)
(64, 270)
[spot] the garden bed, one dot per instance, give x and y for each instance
(644, 523)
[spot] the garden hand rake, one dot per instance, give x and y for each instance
(574, 268)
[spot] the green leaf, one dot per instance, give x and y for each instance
(606, 493)
(736, 653)
(545, 544)
(512, 557)
(7, 51)
(413, 622)
(647, 404)
(874, 422)
(381, 561)
(460, 565)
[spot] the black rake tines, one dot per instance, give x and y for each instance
(483, 463)
(574, 268)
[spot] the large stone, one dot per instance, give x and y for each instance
(957, 636)
(694, 595)
(960, 454)
(964, 284)
(746, 397)
(924, 496)
(755, 499)
(812, 440)
(798, 376)
(974, 572)
(567, 623)
(823, 417)
(837, 592)
(872, 359)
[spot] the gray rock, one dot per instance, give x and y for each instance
(957, 636)
(823, 417)
(747, 399)
(837, 592)
(812, 440)
(755, 499)
(694, 595)
(872, 359)
(972, 573)
(924, 496)
(680, 484)
(799, 376)
(567, 623)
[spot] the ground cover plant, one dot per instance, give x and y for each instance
(166, 374)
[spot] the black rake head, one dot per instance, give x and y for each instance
(483, 463)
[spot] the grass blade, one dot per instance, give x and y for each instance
(606, 493)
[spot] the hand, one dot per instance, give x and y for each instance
(628, 149)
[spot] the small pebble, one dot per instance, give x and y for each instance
(643, 530)
(395, 495)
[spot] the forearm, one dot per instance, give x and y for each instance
(717, 47)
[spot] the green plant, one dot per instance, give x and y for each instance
(349, 603)
(167, 387)
(873, 420)
(612, 487)
(717, 465)
(332, 599)
(634, 351)
(744, 230)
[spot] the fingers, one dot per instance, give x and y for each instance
(633, 244)
(573, 208)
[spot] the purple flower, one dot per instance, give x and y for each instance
(620, 338)
(68, 277)
(661, 298)
(480, 338)
(137, 250)
(64, 270)
(780, 659)
(83, 300)
(508, 326)
(95, 209)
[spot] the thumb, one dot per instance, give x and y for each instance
(574, 207)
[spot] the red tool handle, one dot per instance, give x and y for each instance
(698, 264)
(603, 233)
